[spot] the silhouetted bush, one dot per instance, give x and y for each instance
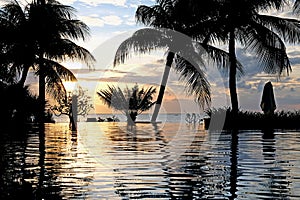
(256, 120)
(17, 104)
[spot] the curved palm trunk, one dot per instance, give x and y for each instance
(232, 73)
(163, 84)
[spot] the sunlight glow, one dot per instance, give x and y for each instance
(70, 85)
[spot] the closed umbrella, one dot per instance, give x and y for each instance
(268, 104)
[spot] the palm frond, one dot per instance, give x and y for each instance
(194, 79)
(149, 39)
(106, 95)
(13, 12)
(60, 10)
(267, 46)
(54, 85)
(267, 5)
(114, 98)
(61, 71)
(73, 29)
(221, 59)
(63, 11)
(296, 7)
(55, 73)
(141, 42)
(288, 29)
(128, 100)
(145, 99)
(64, 49)
(155, 16)
(59, 20)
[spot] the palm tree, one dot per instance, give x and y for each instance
(243, 22)
(169, 23)
(130, 102)
(45, 30)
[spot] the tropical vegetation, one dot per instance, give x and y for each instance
(131, 102)
(39, 36)
(171, 31)
(17, 104)
(210, 23)
(248, 24)
(77, 103)
(252, 120)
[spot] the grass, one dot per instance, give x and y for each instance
(256, 120)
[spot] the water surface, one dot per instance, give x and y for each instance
(171, 161)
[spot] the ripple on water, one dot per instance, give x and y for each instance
(106, 160)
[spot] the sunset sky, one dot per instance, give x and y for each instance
(111, 21)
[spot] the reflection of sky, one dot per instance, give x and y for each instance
(109, 18)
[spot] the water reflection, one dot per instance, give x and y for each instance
(234, 163)
(275, 175)
(42, 165)
(173, 161)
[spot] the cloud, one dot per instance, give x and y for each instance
(244, 85)
(98, 2)
(289, 101)
(133, 6)
(130, 22)
(92, 21)
(67, 2)
(112, 20)
(95, 71)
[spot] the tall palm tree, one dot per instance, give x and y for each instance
(169, 26)
(243, 22)
(41, 38)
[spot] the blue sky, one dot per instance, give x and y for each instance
(107, 18)
(111, 20)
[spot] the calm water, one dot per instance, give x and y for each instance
(173, 161)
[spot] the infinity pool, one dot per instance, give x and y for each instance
(171, 161)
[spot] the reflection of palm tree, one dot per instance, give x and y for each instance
(262, 34)
(234, 163)
(41, 164)
(40, 38)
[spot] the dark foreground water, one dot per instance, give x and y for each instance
(173, 161)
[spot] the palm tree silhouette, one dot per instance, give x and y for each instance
(262, 34)
(40, 37)
(169, 26)
(130, 102)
